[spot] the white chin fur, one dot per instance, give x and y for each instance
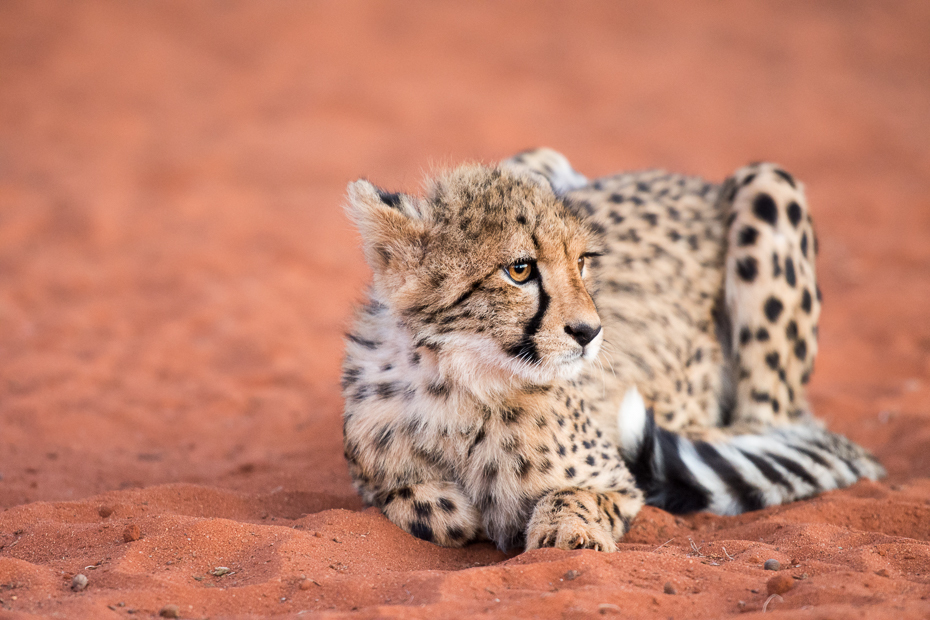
(480, 364)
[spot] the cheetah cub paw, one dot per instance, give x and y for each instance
(569, 520)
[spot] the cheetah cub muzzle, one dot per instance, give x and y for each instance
(541, 354)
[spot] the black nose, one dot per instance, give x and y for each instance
(582, 332)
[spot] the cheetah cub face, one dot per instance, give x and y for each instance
(490, 275)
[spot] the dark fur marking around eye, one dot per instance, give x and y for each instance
(525, 349)
(765, 209)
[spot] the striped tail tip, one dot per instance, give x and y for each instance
(741, 473)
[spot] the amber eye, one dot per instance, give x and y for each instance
(581, 264)
(520, 272)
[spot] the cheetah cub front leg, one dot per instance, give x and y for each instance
(437, 511)
(577, 518)
(771, 294)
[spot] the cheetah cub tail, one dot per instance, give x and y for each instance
(741, 473)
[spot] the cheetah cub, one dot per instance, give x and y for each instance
(541, 355)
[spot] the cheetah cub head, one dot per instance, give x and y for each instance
(490, 275)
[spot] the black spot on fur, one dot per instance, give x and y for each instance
(569, 472)
(790, 276)
(747, 236)
(747, 268)
(745, 335)
(511, 415)
(773, 308)
(791, 330)
(787, 177)
(405, 492)
(794, 214)
(771, 360)
(806, 301)
(446, 504)
(804, 244)
(383, 438)
(776, 267)
(423, 509)
(800, 349)
(368, 344)
(422, 531)
(386, 390)
(765, 209)
(749, 179)
(440, 390)
(762, 334)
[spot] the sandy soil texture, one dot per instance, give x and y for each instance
(176, 275)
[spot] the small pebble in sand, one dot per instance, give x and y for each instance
(779, 584)
(669, 588)
(131, 533)
(571, 575)
(79, 582)
(306, 584)
(772, 565)
(105, 511)
(170, 611)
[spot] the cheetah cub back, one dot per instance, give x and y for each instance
(513, 373)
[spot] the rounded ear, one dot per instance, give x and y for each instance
(391, 225)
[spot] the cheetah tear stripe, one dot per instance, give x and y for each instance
(745, 472)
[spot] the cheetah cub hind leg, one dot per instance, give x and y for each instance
(771, 294)
(550, 165)
(738, 473)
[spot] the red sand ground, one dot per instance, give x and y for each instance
(176, 274)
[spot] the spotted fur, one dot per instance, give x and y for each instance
(541, 354)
